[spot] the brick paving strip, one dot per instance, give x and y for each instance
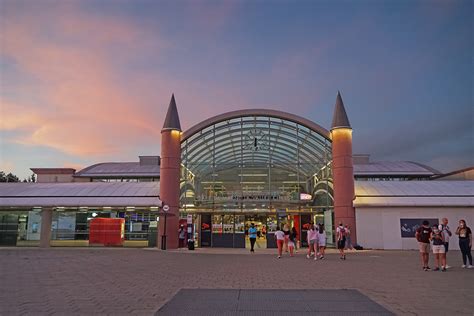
(268, 302)
(119, 281)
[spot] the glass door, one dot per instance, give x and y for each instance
(260, 222)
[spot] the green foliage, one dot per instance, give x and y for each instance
(10, 177)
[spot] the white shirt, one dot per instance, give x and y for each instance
(280, 235)
(445, 230)
(322, 236)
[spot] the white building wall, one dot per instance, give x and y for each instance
(48, 178)
(379, 227)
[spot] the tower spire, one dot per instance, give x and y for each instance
(339, 118)
(172, 117)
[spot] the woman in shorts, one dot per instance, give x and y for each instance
(439, 251)
(341, 240)
(312, 238)
(292, 242)
(321, 240)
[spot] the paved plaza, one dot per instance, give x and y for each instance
(117, 281)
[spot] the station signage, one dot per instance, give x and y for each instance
(305, 197)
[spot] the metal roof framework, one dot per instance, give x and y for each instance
(243, 139)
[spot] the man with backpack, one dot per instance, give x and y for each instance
(341, 240)
(423, 235)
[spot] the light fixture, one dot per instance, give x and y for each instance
(94, 214)
(252, 182)
(253, 174)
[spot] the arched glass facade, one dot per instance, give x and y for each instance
(255, 168)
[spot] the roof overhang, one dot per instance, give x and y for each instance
(414, 193)
(79, 194)
(55, 202)
(53, 170)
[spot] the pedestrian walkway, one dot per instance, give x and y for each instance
(124, 281)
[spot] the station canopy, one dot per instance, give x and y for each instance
(264, 151)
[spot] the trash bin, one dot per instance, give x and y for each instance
(190, 244)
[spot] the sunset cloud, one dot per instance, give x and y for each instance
(90, 81)
(84, 109)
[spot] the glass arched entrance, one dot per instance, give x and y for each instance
(260, 166)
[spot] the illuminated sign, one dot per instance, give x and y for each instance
(305, 197)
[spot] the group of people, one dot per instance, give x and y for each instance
(286, 240)
(316, 237)
(438, 236)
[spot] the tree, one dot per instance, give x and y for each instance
(10, 177)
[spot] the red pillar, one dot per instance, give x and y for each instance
(170, 165)
(343, 177)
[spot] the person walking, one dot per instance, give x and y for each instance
(465, 243)
(348, 238)
(252, 236)
(321, 240)
(292, 241)
(312, 237)
(423, 234)
(295, 233)
(446, 234)
(182, 236)
(439, 251)
(286, 231)
(280, 239)
(341, 240)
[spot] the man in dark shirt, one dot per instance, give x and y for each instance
(423, 235)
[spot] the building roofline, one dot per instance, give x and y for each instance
(436, 172)
(53, 170)
(452, 173)
(80, 172)
(259, 112)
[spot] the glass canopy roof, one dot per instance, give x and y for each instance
(268, 159)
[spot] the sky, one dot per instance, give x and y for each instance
(90, 81)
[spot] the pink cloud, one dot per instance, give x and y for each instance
(85, 111)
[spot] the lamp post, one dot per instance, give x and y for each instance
(166, 208)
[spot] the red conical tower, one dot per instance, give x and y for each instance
(342, 168)
(170, 164)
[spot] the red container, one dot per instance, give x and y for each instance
(106, 231)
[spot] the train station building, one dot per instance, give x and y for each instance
(256, 166)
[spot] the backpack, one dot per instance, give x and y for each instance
(342, 230)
